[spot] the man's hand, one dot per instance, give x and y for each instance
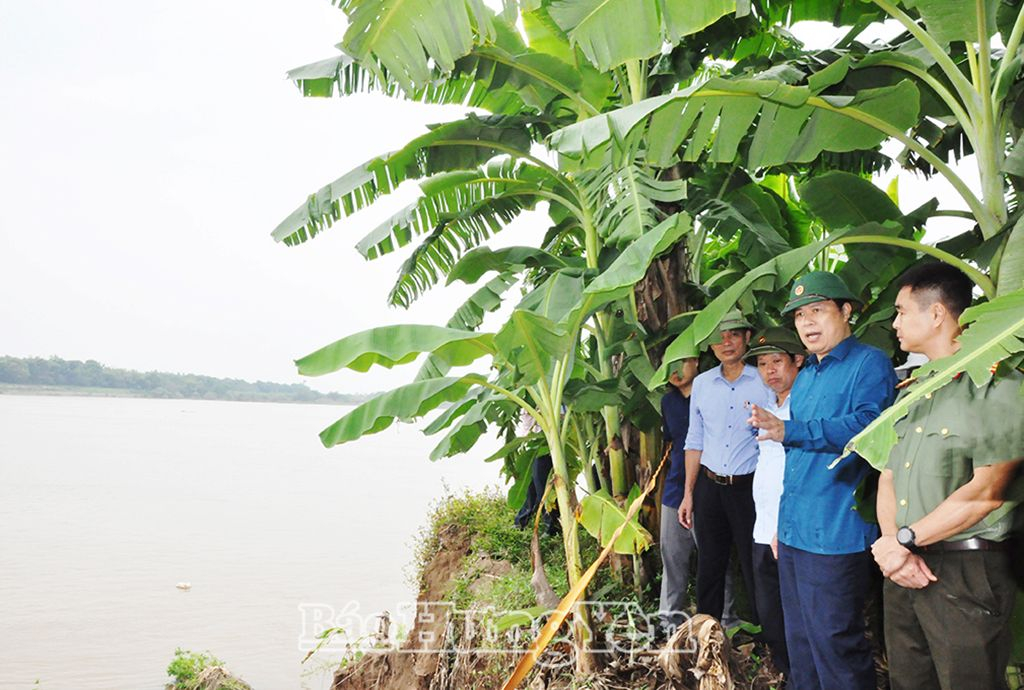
(775, 546)
(686, 511)
(915, 574)
(772, 428)
(889, 554)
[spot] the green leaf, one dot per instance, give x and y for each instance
(774, 274)
(950, 21)
(841, 199)
(452, 413)
(468, 317)
(405, 35)
(592, 397)
(531, 344)
(1014, 162)
(557, 297)
(503, 76)
(453, 198)
(464, 434)
(439, 251)
(610, 32)
(479, 261)
(1011, 266)
(629, 200)
(405, 403)
(389, 346)
(993, 332)
(460, 145)
(600, 515)
(631, 265)
(792, 124)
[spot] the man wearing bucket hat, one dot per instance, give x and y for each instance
(778, 355)
(721, 454)
(825, 563)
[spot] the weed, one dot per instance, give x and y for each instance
(187, 665)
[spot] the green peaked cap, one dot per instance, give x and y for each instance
(734, 320)
(817, 286)
(772, 340)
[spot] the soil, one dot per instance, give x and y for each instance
(419, 666)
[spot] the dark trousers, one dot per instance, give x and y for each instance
(723, 516)
(769, 605)
(954, 633)
(823, 598)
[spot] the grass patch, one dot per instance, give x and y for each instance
(488, 522)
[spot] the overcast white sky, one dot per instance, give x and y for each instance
(146, 152)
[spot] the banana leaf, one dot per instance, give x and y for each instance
(601, 516)
(389, 346)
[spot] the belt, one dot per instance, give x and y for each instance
(727, 479)
(972, 544)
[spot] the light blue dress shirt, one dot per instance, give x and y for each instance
(719, 410)
(767, 489)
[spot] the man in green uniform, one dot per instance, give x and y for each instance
(945, 503)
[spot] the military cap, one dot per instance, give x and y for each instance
(817, 286)
(734, 320)
(774, 339)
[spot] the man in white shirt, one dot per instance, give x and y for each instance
(778, 354)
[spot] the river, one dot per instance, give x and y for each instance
(106, 504)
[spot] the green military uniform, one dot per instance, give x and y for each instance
(955, 632)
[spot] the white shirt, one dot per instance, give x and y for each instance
(771, 465)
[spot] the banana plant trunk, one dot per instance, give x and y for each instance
(582, 632)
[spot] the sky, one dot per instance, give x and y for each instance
(146, 152)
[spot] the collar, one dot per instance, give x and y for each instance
(748, 372)
(839, 351)
(773, 406)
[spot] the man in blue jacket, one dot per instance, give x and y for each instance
(825, 562)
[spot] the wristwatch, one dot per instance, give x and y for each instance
(906, 537)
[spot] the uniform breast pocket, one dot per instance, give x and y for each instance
(948, 456)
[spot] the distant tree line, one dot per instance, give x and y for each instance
(37, 371)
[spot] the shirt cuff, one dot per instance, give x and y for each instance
(794, 432)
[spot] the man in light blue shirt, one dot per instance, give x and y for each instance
(778, 354)
(721, 455)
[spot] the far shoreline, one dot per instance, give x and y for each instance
(99, 392)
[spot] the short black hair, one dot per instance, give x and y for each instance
(947, 283)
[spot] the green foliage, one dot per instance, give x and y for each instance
(600, 515)
(405, 34)
(487, 522)
(91, 377)
(795, 124)
(390, 346)
(187, 665)
(405, 403)
(596, 26)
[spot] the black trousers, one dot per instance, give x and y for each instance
(723, 517)
(769, 605)
(954, 633)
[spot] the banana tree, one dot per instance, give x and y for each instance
(942, 90)
(533, 361)
(799, 112)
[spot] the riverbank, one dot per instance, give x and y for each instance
(103, 392)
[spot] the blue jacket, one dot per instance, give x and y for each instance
(832, 400)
